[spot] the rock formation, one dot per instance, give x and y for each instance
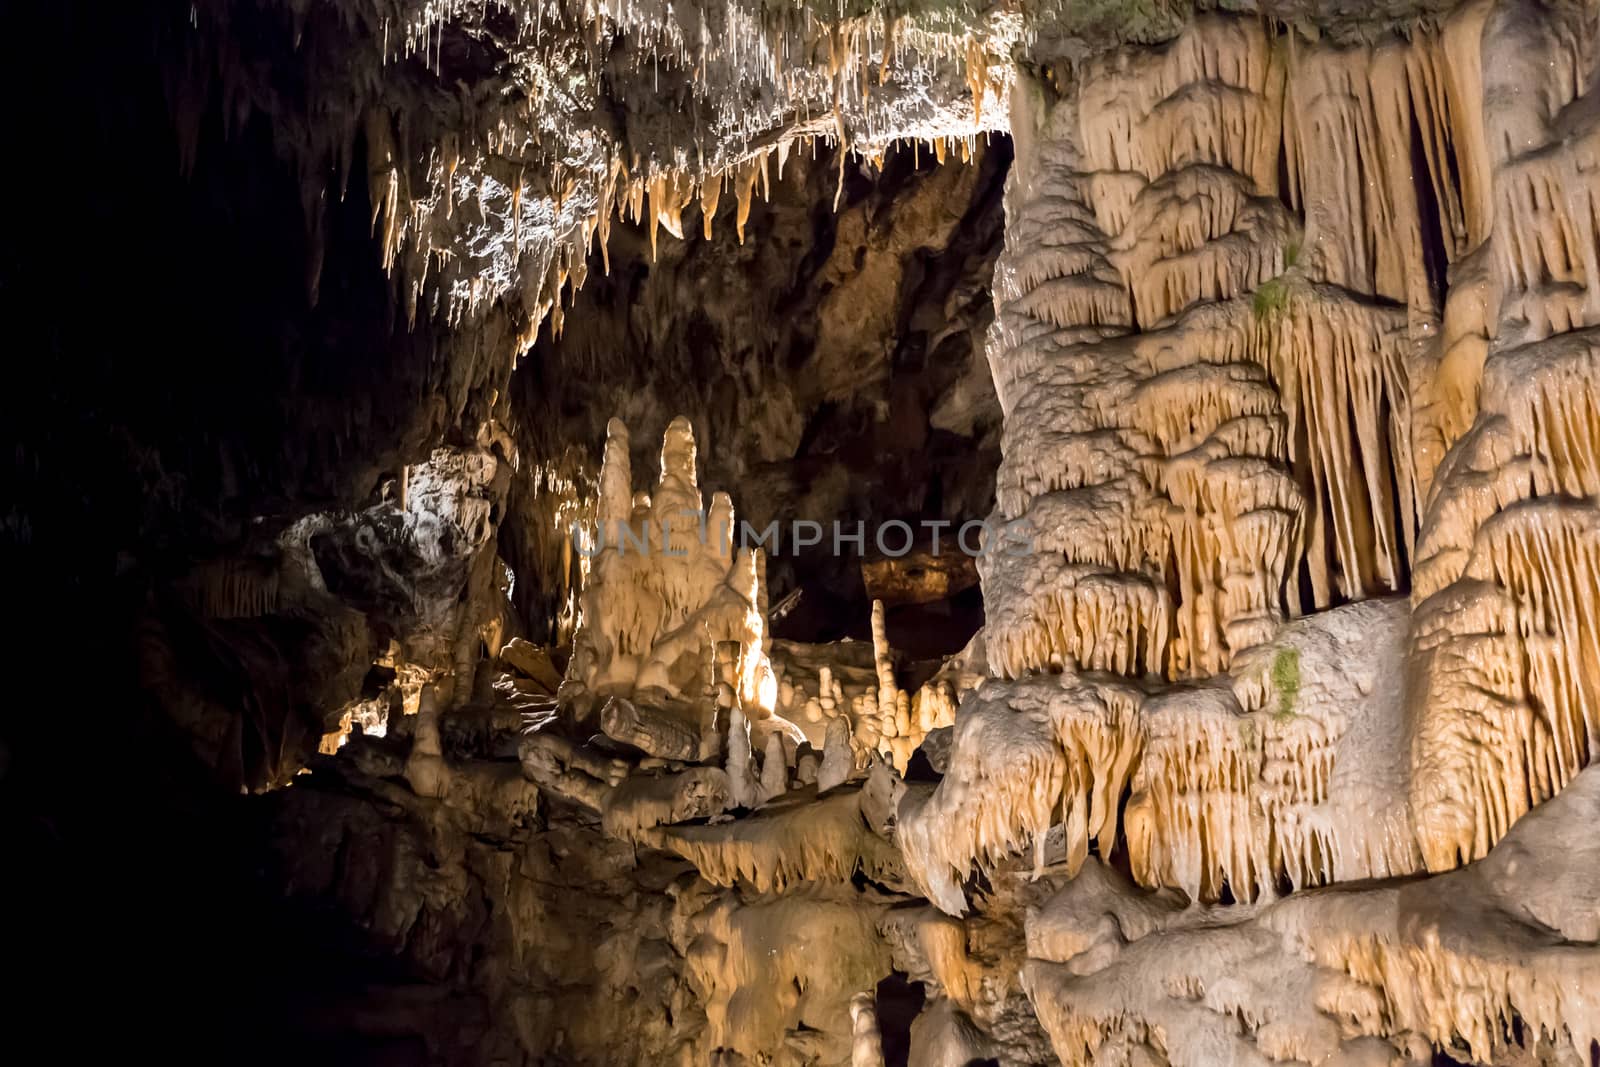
(451, 721)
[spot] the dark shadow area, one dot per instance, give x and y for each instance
(899, 1002)
(174, 395)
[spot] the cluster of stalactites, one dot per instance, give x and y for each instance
(499, 187)
(1154, 467)
(1341, 373)
(1025, 756)
(824, 841)
(751, 65)
(1385, 972)
(1507, 589)
(1543, 143)
(1229, 785)
(1247, 457)
(1212, 96)
(1355, 121)
(229, 589)
(1195, 235)
(760, 967)
(1506, 577)
(1316, 979)
(658, 199)
(461, 227)
(1293, 776)
(1263, 438)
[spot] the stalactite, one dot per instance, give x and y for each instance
(1350, 130)
(1231, 783)
(1026, 753)
(1340, 366)
(231, 589)
(1505, 575)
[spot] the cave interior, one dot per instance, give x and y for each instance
(783, 534)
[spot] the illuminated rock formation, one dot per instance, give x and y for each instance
(1290, 769)
(1292, 592)
(1291, 343)
(1275, 742)
(1153, 467)
(855, 684)
(1372, 974)
(1291, 426)
(1504, 581)
(666, 592)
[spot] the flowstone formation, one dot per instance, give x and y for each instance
(1494, 964)
(1285, 329)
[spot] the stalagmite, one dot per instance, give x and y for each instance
(664, 590)
(838, 758)
(888, 691)
(425, 767)
(943, 1037)
(774, 770)
(746, 788)
(866, 1046)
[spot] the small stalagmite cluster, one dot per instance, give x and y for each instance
(664, 583)
(675, 657)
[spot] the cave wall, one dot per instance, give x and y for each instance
(170, 419)
(1278, 327)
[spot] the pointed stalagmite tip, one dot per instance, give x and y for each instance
(678, 454)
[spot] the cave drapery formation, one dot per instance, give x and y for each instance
(1267, 324)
